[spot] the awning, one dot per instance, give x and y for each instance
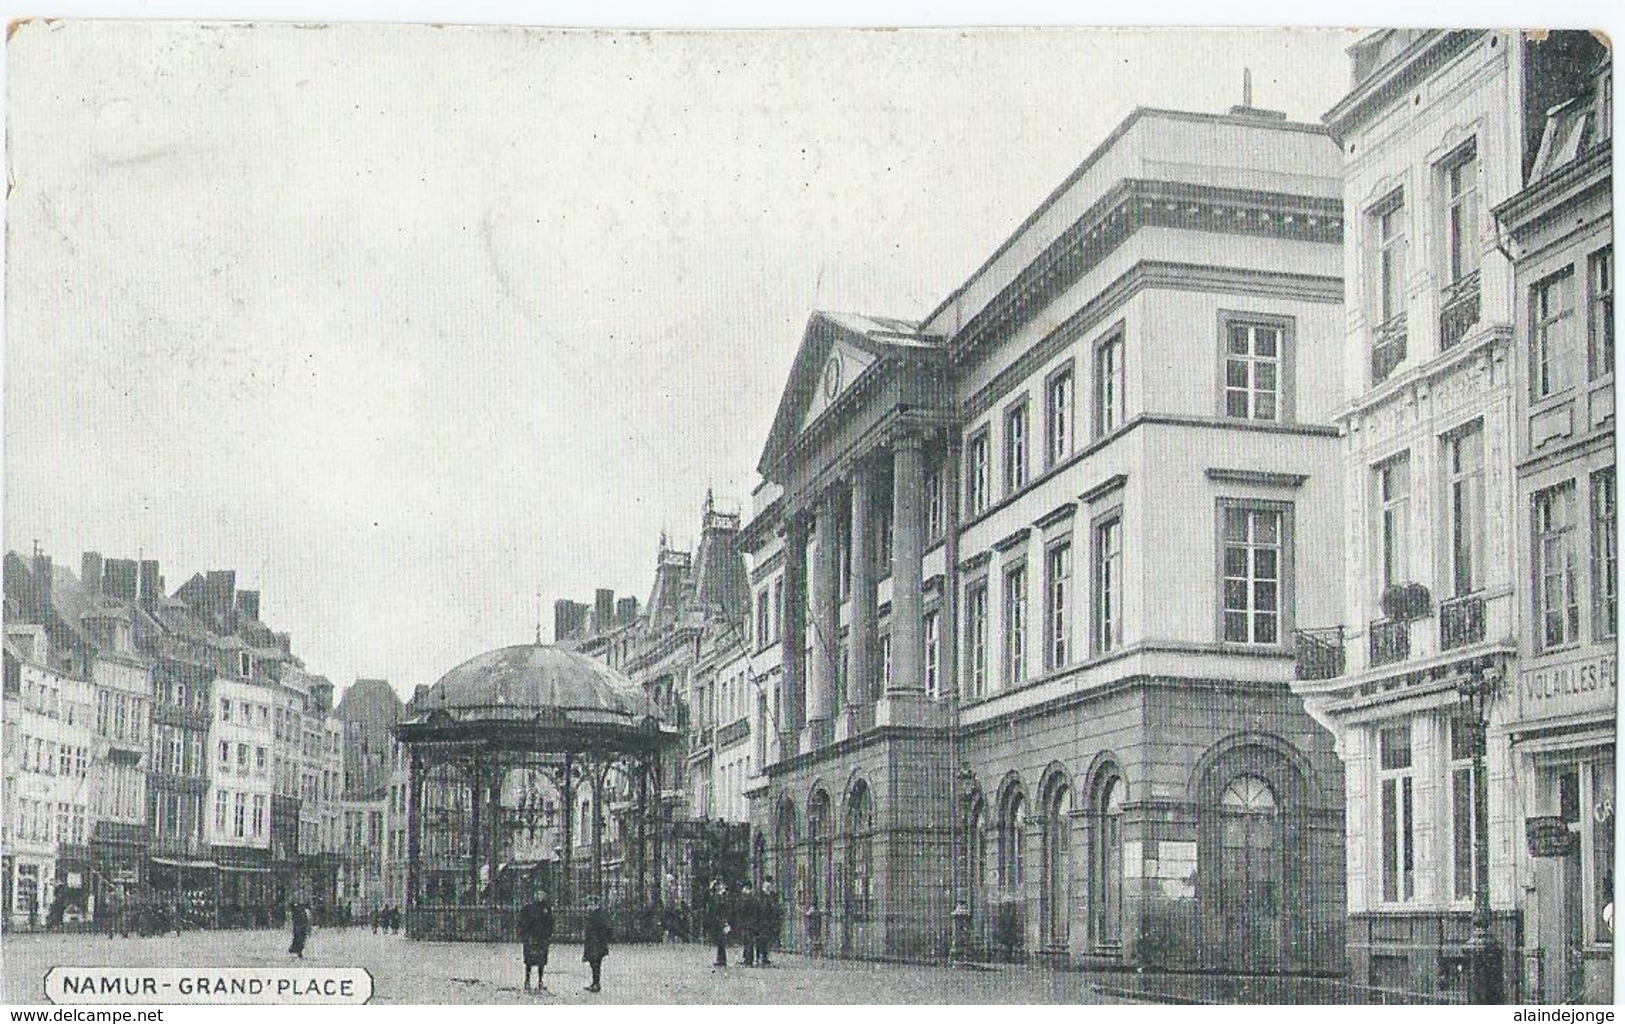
(185, 863)
(244, 869)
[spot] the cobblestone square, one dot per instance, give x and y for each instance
(439, 972)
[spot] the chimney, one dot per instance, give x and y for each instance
(37, 596)
(603, 611)
(626, 611)
(284, 643)
(121, 580)
(248, 604)
(569, 620)
(90, 573)
(152, 584)
(221, 586)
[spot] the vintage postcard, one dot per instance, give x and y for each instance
(564, 517)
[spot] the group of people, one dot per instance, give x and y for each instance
(385, 919)
(751, 917)
(536, 935)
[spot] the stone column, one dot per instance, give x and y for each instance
(825, 626)
(793, 636)
(861, 667)
(905, 696)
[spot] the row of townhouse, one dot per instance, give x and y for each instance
(161, 749)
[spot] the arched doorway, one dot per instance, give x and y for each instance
(1057, 880)
(860, 875)
(1106, 863)
(788, 884)
(820, 860)
(1010, 924)
(1250, 874)
(976, 894)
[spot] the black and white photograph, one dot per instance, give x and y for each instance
(503, 514)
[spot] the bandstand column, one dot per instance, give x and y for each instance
(495, 842)
(566, 869)
(860, 681)
(826, 624)
(598, 831)
(474, 831)
(793, 637)
(414, 835)
(904, 703)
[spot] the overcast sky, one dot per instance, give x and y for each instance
(406, 323)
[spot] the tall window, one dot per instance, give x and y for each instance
(1108, 631)
(1106, 897)
(1058, 606)
(1557, 591)
(1015, 626)
(1604, 555)
(1393, 487)
(1551, 355)
(1388, 292)
(976, 638)
(1013, 845)
(1462, 821)
(860, 827)
(932, 630)
(1398, 821)
(1015, 448)
(763, 637)
(239, 814)
(259, 815)
(1111, 399)
(778, 607)
(1058, 417)
(976, 473)
(1600, 309)
(221, 799)
(1252, 371)
(1254, 546)
(1461, 213)
(935, 520)
(1464, 454)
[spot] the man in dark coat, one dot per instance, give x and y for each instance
(746, 920)
(770, 919)
(299, 914)
(717, 914)
(595, 940)
(536, 932)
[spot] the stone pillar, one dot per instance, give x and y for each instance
(825, 626)
(861, 666)
(905, 696)
(793, 637)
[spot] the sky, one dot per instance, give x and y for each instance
(409, 325)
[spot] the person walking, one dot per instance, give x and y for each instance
(716, 921)
(595, 940)
(745, 923)
(299, 915)
(536, 932)
(770, 921)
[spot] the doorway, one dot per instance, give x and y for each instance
(1250, 875)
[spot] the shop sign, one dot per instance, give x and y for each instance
(1570, 687)
(1549, 836)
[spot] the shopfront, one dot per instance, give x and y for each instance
(1563, 744)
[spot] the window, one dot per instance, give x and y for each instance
(1015, 625)
(1557, 587)
(1388, 285)
(1398, 823)
(1393, 492)
(245, 668)
(1254, 552)
(1106, 862)
(225, 710)
(1058, 417)
(1108, 632)
(762, 610)
(1551, 359)
(1015, 448)
(1464, 460)
(239, 815)
(259, 760)
(1460, 173)
(1058, 606)
(220, 802)
(242, 759)
(935, 521)
(885, 668)
(1013, 845)
(1111, 406)
(778, 607)
(225, 755)
(1600, 313)
(976, 470)
(1252, 371)
(1462, 821)
(1604, 555)
(933, 642)
(976, 638)
(259, 815)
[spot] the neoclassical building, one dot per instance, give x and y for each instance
(1036, 565)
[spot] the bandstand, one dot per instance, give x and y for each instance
(532, 768)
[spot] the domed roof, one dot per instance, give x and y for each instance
(533, 682)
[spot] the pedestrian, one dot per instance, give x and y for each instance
(595, 940)
(536, 932)
(745, 922)
(376, 912)
(299, 914)
(716, 921)
(770, 922)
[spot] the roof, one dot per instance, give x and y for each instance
(531, 682)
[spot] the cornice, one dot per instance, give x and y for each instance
(1257, 478)
(1527, 212)
(1410, 66)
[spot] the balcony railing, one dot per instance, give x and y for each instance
(1461, 621)
(1390, 642)
(1319, 652)
(1387, 348)
(1458, 310)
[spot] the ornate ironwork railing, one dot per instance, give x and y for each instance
(1458, 309)
(1461, 621)
(1319, 652)
(1388, 347)
(1390, 642)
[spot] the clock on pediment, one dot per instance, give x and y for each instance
(832, 376)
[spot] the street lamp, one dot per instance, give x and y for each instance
(1476, 692)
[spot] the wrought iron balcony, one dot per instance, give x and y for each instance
(1390, 641)
(1461, 621)
(1319, 652)
(1458, 310)
(1387, 347)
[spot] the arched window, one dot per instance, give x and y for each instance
(1057, 863)
(976, 861)
(785, 838)
(1013, 844)
(1248, 794)
(860, 827)
(820, 842)
(1107, 863)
